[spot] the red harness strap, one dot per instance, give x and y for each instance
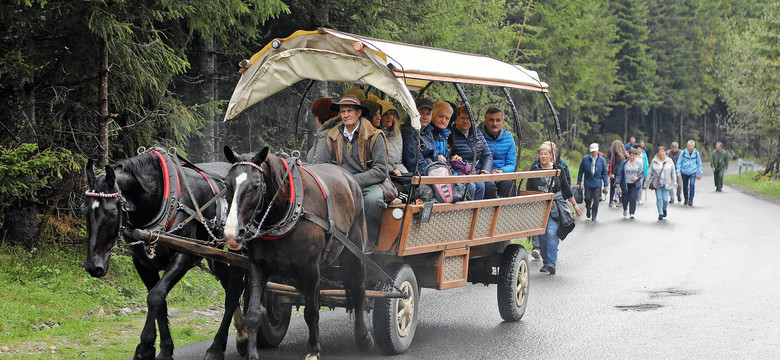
(317, 180)
(167, 186)
(213, 191)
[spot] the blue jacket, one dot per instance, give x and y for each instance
(503, 150)
(595, 179)
(689, 163)
(428, 152)
(462, 146)
(441, 140)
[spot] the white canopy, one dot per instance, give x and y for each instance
(391, 67)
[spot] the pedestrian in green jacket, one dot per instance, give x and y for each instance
(719, 164)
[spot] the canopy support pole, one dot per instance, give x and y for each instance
(516, 119)
(473, 124)
(298, 113)
(422, 91)
(555, 116)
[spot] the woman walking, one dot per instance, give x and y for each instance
(663, 177)
(615, 157)
(630, 177)
(548, 243)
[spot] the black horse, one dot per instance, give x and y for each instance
(143, 192)
(259, 194)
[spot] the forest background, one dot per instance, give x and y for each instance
(97, 79)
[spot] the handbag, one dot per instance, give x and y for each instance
(577, 192)
(565, 216)
(389, 190)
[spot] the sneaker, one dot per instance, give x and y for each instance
(664, 212)
(686, 202)
(593, 219)
(719, 190)
(660, 217)
(551, 269)
(535, 254)
(625, 212)
(545, 268)
(690, 203)
(632, 216)
(641, 202)
(587, 214)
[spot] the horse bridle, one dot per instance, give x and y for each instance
(123, 209)
(253, 223)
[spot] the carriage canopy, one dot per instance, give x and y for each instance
(391, 67)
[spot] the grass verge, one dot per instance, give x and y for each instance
(763, 185)
(52, 309)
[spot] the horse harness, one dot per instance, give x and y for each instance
(295, 211)
(171, 204)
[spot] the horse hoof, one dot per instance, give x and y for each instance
(241, 347)
(143, 352)
(366, 343)
(312, 356)
(215, 355)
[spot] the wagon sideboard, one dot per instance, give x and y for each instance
(440, 249)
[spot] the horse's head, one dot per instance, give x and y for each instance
(103, 208)
(246, 187)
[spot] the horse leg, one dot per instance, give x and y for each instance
(223, 273)
(354, 284)
(310, 286)
(150, 278)
(158, 309)
(256, 285)
(233, 289)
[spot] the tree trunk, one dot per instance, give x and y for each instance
(103, 111)
(201, 90)
(625, 124)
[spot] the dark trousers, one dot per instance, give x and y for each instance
(629, 198)
(612, 188)
(689, 187)
(490, 190)
(719, 178)
(592, 197)
(505, 188)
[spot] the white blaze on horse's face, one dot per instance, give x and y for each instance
(95, 204)
(231, 226)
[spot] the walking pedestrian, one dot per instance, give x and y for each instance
(548, 243)
(674, 154)
(630, 176)
(615, 157)
(642, 156)
(662, 178)
(593, 168)
(719, 164)
(689, 170)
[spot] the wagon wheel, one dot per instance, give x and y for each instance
(513, 283)
(274, 321)
(395, 320)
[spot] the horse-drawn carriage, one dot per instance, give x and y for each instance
(437, 246)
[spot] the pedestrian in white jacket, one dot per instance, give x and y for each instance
(662, 178)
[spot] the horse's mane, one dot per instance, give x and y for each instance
(144, 168)
(276, 172)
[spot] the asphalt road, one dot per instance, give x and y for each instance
(701, 284)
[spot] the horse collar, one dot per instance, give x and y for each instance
(292, 213)
(172, 191)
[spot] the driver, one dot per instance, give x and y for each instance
(355, 145)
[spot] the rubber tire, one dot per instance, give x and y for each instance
(386, 329)
(512, 273)
(273, 323)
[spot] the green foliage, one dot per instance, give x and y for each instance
(762, 185)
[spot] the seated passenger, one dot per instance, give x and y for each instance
(343, 146)
(325, 119)
(427, 145)
(502, 147)
(392, 129)
(442, 112)
(462, 150)
(374, 112)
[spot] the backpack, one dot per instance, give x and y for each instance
(444, 193)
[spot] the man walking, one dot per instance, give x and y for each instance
(719, 164)
(594, 169)
(674, 154)
(689, 170)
